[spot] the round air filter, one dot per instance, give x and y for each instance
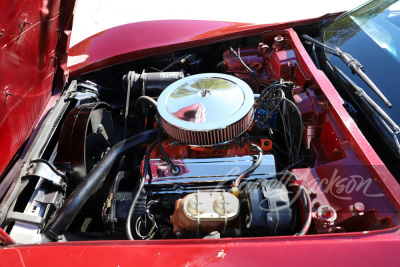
(206, 109)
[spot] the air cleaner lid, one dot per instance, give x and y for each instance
(205, 101)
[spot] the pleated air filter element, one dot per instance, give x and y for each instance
(206, 109)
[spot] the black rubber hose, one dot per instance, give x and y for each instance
(145, 99)
(139, 109)
(290, 177)
(89, 186)
(175, 170)
(305, 199)
(252, 168)
(301, 124)
(147, 169)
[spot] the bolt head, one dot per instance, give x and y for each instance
(359, 207)
(317, 204)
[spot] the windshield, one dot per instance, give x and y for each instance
(371, 34)
(381, 27)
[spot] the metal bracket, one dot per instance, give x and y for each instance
(84, 91)
(27, 218)
(47, 172)
(349, 108)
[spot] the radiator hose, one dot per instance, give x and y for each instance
(89, 186)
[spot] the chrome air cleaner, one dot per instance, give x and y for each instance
(206, 109)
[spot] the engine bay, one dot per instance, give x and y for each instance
(228, 140)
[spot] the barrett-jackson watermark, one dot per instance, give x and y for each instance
(341, 187)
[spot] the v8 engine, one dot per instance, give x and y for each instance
(223, 140)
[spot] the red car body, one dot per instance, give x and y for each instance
(33, 72)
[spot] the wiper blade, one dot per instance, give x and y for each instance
(383, 116)
(362, 94)
(353, 64)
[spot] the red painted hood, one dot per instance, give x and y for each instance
(114, 46)
(34, 41)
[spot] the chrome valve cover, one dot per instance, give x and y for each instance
(205, 170)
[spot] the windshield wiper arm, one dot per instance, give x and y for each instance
(362, 94)
(383, 116)
(353, 64)
(393, 134)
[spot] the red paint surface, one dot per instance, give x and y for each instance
(352, 136)
(335, 148)
(5, 238)
(137, 40)
(350, 249)
(374, 248)
(379, 249)
(29, 57)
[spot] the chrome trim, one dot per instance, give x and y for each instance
(214, 170)
(206, 109)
